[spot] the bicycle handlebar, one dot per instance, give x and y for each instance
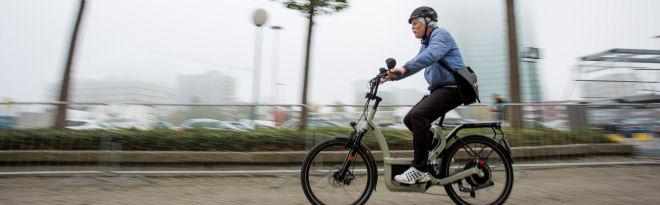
(390, 62)
(373, 86)
(373, 83)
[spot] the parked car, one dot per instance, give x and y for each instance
(654, 127)
(629, 126)
(398, 126)
(87, 125)
(242, 126)
(311, 123)
(264, 123)
(452, 119)
(211, 124)
(561, 125)
(162, 125)
(7, 122)
(453, 122)
(635, 125)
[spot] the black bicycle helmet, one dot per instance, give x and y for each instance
(423, 11)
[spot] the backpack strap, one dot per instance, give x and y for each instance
(444, 64)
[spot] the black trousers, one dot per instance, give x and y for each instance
(419, 119)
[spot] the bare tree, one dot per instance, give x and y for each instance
(312, 8)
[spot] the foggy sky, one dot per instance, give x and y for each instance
(157, 40)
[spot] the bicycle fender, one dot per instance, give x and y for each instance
(506, 149)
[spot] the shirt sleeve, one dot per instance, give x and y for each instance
(436, 49)
(409, 72)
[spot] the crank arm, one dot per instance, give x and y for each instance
(484, 185)
(458, 176)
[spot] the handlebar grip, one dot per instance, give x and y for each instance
(390, 63)
(397, 72)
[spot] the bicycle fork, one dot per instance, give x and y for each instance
(343, 174)
(353, 144)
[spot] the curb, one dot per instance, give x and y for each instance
(276, 172)
(286, 157)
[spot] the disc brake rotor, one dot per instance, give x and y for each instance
(475, 179)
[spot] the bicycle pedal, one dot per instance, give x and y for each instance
(400, 184)
(428, 185)
(410, 185)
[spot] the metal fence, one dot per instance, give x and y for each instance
(543, 124)
(39, 115)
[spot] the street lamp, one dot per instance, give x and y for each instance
(531, 56)
(275, 69)
(532, 53)
(275, 74)
(259, 18)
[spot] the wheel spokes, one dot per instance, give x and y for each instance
(480, 189)
(327, 188)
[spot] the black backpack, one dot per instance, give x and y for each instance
(466, 81)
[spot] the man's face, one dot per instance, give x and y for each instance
(418, 28)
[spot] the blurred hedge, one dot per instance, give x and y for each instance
(255, 140)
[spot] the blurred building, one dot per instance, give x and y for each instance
(210, 87)
(391, 96)
(620, 74)
(112, 91)
(602, 87)
(360, 89)
(480, 29)
(408, 96)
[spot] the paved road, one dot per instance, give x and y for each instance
(594, 185)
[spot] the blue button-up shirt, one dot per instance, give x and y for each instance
(441, 45)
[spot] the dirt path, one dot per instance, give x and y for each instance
(603, 185)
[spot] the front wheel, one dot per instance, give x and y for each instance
(496, 182)
(321, 179)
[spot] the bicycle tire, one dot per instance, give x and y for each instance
(362, 152)
(449, 158)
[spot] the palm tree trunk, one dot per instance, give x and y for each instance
(303, 114)
(60, 120)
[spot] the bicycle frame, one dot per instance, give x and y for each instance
(389, 161)
(475, 171)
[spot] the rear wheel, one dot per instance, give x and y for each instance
(496, 183)
(322, 182)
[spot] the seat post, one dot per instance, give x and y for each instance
(442, 119)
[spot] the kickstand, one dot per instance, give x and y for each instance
(465, 189)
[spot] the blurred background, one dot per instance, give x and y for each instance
(105, 95)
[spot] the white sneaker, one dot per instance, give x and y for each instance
(412, 176)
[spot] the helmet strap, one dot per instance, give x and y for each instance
(425, 39)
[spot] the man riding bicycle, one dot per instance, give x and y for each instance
(444, 95)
